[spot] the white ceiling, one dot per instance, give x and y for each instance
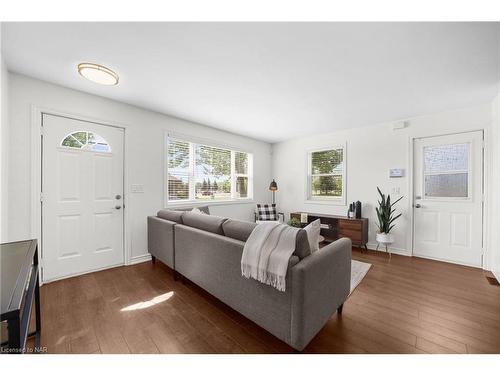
(270, 81)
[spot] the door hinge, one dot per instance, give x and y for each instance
(41, 129)
(41, 197)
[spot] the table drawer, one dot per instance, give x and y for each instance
(354, 235)
(350, 225)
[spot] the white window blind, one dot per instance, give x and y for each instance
(241, 174)
(200, 172)
(326, 178)
(178, 170)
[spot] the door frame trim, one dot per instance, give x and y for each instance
(484, 184)
(36, 176)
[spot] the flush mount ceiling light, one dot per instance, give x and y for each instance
(98, 74)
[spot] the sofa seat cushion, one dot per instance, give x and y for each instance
(237, 229)
(171, 215)
(208, 223)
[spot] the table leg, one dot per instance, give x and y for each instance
(38, 322)
(14, 329)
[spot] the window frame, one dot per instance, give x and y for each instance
(336, 201)
(82, 146)
(192, 201)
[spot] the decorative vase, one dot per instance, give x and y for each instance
(385, 238)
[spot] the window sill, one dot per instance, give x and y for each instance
(185, 204)
(331, 202)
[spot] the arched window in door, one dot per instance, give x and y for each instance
(85, 140)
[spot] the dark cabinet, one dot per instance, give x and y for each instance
(19, 292)
(334, 227)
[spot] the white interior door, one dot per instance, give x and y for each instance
(82, 190)
(448, 201)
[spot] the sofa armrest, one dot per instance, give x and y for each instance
(161, 240)
(320, 284)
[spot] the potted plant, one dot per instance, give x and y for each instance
(386, 218)
(294, 222)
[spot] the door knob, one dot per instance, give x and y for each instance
(418, 206)
(118, 207)
(118, 196)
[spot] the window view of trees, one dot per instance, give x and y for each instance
(210, 173)
(213, 189)
(327, 169)
(213, 173)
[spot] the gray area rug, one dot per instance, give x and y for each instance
(358, 272)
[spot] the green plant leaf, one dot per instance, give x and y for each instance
(385, 212)
(394, 218)
(397, 200)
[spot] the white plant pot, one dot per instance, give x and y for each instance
(385, 239)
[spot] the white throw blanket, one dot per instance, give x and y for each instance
(267, 252)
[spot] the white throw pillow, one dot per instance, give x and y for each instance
(312, 231)
(196, 210)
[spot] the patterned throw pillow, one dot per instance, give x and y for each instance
(196, 210)
(267, 212)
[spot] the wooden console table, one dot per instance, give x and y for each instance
(339, 227)
(19, 279)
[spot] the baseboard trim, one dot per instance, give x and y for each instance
(393, 250)
(140, 259)
(446, 261)
(80, 273)
(496, 274)
(134, 260)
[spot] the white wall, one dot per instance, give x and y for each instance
(4, 148)
(145, 153)
(494, 187)
(371, 152)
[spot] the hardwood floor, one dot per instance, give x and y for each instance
(404, 305)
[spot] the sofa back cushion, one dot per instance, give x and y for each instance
(172, 215)
(237, 229)
(240, 230)
(208, 223)
(302, 248)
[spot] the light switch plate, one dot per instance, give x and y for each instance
(137, 188)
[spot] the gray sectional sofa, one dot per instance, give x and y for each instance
(207, 250)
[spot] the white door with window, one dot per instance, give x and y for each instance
(448, 202)
(82, 196)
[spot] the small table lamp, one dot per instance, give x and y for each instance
(273, 186)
